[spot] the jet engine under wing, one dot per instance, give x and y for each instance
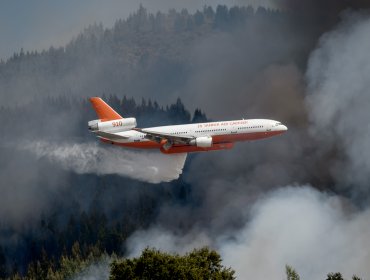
(110, 136)
(159, 136)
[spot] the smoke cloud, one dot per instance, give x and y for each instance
(166, 240)
(152, 167)
(339, 99)
(313, 231)
(243, 71)
(96, 271)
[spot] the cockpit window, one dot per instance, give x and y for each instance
(277, 124)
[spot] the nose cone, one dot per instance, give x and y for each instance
(278, 128)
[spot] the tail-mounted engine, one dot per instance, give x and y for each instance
(112, 126)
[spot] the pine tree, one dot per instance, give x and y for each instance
(291, 274)
(335, 276)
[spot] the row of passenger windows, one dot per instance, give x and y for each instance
(220, 129)
(209, 130)
(246, 127)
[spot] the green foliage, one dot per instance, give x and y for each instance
(338, 276)
(291, 274)
(334, 276)
(67, 266)
(153, 264)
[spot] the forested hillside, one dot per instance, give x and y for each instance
(150, 55)
(67, 200)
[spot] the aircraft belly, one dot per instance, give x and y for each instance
(141, 145)
(191, 149)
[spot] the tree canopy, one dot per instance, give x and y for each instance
(152, 264)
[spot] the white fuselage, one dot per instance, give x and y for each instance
(219, 129)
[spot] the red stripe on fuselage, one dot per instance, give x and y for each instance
(190, 149)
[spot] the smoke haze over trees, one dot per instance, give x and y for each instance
(292, 199)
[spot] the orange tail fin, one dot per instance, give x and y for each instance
(103, 110)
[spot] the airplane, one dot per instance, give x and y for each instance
(197, 137)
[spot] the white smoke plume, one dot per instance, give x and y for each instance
(152, 167)
(309, 230)
(165, 240)
(314, 232)
(96, 271)
(339, 100)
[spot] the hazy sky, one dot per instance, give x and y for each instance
(38, 24)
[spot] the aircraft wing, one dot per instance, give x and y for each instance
(158, 136)
(110, 136)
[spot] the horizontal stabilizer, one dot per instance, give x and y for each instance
(110, 136)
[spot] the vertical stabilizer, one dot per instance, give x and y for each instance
(103, 110)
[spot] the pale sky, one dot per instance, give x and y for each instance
(38, 24)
